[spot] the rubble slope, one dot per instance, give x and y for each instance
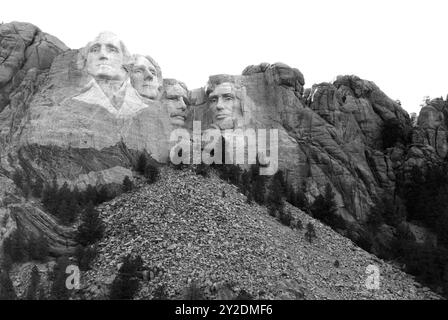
(190, 228)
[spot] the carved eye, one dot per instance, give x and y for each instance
(94, 49)
(213, 100)
(137, 71)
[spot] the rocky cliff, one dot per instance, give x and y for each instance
(65, 116)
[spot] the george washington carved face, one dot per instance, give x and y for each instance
(105, 57)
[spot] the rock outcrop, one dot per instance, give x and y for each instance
(83, 116)
(65, 119)
(23, 47)
(328, 135)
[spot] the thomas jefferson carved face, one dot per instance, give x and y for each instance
(176, 98)
(144, 77)
(105, 57)
(225, 105)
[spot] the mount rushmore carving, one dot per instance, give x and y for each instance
(80, 116)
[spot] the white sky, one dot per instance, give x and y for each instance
(400, 45)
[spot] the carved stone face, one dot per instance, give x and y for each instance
(105, 58)
(176, 98)
(225, 106)
(144, 78)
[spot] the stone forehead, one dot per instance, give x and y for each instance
(142, 60)
(223, 88)
(175, 90)
(106, 36)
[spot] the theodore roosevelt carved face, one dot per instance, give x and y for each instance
(176, 99)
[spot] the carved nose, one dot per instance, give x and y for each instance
(102, 56)
(219, 105)
(182, 104)
(148, 76)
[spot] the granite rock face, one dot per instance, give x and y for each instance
(81, 117)
(329, 134)
(61, 122)
(432, 129)
(23, 47)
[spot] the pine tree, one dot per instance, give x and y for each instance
(31, 291)
(6, 288)
(90, 195)
(285, 217)
(272, 211)
(38, 248)
(324, 208)
(76, 195)
(274, 197)
(202, 169)
(259, 190)
(6, 263)
(194, 292)
(279, 180)
(140, 166)
(298, 224)
(296, 198)
(64, 193)
(91, 228)
(250, 197)
(15, 246)
(126, 283)
(37, 188)
(59, 290)
(151, 173)
(73, 209)
(310, 232)
(103, 195)
(160, 293)
(26, 190)
(85, 256)
(50, 198)
(17, 177)
(127, 184)
(64, 212)
(244, 186)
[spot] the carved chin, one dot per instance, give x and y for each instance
(149, 94)
(177, 121)
(106, 72)
(226, 123)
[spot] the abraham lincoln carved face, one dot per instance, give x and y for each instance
(225, 105)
